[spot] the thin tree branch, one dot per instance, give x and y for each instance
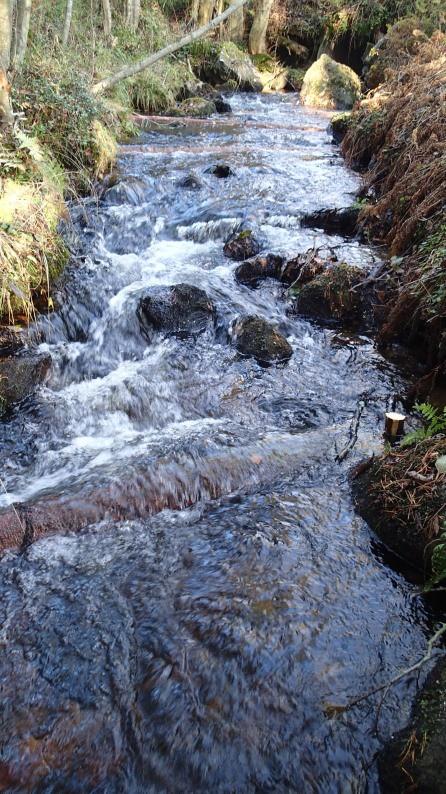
(130, 71)
(331, 710)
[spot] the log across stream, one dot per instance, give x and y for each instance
(192, 585)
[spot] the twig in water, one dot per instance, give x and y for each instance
(331, 710)
(353, 433)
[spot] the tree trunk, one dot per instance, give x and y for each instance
(5, 34)
(257, 35)
(132, 14)
(195, 7)
(205, 11)
(67, 23)
(199, 33)
(22, 30)
(235, 26)
(107, 18)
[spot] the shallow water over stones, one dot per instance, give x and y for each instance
(195, 649)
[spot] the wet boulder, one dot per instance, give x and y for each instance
(11, 340)
(330, 85)
(331, 295)
(220, 170)
(343, 222)
(242, 245)
(303, 268)
(190, 182)
(221, 105)
(181, 310)
(253, 271)
(124, 190)
(255, 337)
(19, 377)
(195, 107)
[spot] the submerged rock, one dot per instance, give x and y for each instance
(222, 106)
(255, 337)
(182, 310)
(331, 295)
(124, 190)
(220, 170)
(343, 222)
(330, 85)
(190, 182)
(253, 271)
(19, 377)
(242, 245)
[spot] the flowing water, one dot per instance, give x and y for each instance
(195, 648)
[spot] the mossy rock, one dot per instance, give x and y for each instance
(229, 65)
(330, 85)
(255, 337)
(295, 79)
(329, 296)
(339, 126)
(195, 107)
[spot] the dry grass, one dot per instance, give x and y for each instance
(31, 204)
(410, 490)
(399, 133)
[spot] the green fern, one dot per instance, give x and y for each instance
(434, 423)
(438, 563)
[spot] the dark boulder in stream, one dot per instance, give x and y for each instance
(19, 377)
(220, 170)
(190, 182)
(302, 268)
(182, 310)
(343, 222)
(253, 271)
(255, 337)
(242, 245)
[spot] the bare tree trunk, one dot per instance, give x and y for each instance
(132, 14)
(195, 7)
(205, 11)
(257, 35)
(6, 116)
(199, 33)
(235, 26)
(13, 49)
(67, 23)
(5, 33)
(22, 30)
(107, 18)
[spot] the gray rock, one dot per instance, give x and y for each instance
(330, 85)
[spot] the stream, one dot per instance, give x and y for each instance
(192, 640)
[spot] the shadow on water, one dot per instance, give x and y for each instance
(194, 649)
